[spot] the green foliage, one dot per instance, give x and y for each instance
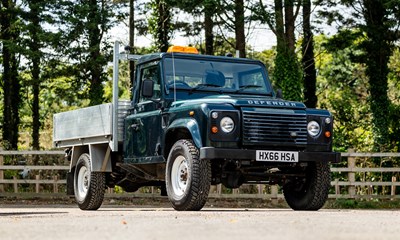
(82, 38)
(267, 57)
(160, 24)
(75, 48)
(376, 26)
(287, 75)
(342, 88)
(394, 96)
(10, 27)
(363, 204)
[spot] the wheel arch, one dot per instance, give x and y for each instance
(186, 128)
(77, 151)
(100, 155)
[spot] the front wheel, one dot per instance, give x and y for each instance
(310, 192)
(89, 186)
(188, 178)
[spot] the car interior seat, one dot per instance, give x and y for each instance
(215, 78)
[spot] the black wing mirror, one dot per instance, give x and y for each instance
(148, 88)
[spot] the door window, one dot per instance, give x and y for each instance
(153, 74)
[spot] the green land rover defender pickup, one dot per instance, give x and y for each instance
(194, 121)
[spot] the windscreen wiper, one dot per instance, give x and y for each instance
(203, 85)
(244, 87)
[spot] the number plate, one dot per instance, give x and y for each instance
(277, 156)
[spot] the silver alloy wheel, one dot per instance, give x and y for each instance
(187, 178)
(180, 176)
(83, 182)
(88, 186)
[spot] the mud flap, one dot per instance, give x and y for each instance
(70, 183)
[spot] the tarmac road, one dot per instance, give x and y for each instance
(110, 222)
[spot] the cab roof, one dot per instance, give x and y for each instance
(159, 55)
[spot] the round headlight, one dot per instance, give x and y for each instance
(313, 128)
(227, 124)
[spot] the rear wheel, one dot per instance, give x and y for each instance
(188, 178)
(89, 186)
(310, 192)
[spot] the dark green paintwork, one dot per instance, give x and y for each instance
(151, 121)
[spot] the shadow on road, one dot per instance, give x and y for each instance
(9, 214)
(226, 210)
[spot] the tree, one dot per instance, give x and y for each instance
(376, 27)
(281, 20)
(209, 11)
(160, 24)
(207, 8)
(394, 96)
(83, 31)
(239, 28)
(310, 75)
(132, 36)
(10, 79)
(231, 16)
(33, 40)
(342, 88)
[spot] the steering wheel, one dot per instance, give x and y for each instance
(178, 83)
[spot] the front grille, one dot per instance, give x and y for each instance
(282, 128)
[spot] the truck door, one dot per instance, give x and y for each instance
(143, 130)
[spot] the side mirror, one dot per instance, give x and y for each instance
(279, 94)
(148, 88)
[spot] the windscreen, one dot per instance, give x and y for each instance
(213, 75)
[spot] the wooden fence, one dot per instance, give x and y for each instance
(352, 181)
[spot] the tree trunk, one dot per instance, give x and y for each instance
(35, 71)
(278, 74)
(163, 25)
(378, 50)
(94, 64)
(289, 26)
(208, 28)
(286, 73)
(239, 28)
(280, 28)
(132, 39)
(310, 75)
(11, 84)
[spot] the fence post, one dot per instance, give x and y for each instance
(55, 185)
(260, 188)
(274, 191)
(15, 184)
(219, 189)
(337, 187)
(1, 171)
(351, 163)
(393, 189)
(37, 183)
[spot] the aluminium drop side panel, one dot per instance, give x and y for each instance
(91, 125)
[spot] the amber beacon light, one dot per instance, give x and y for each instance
(182, 49)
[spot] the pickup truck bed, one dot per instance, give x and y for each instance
(90, 125)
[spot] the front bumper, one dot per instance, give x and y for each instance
(245, 154)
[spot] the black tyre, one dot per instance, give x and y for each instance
(188, 178)
(89, 186)
(311, 192)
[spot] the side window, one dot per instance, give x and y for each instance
(153, 74)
